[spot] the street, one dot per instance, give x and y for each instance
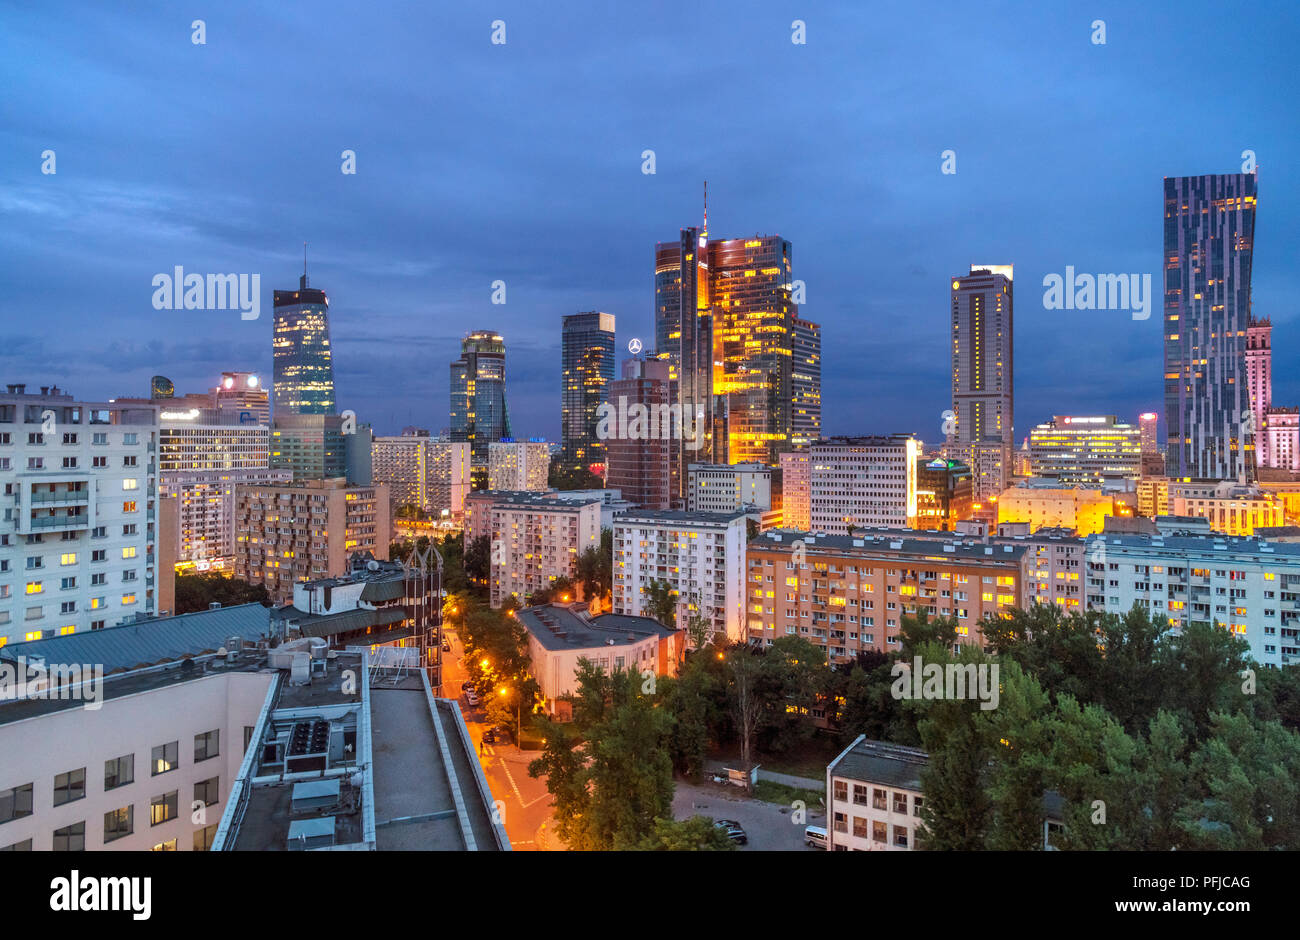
(527, 804)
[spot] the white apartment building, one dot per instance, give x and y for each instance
(423, 471)
(701, 555)
(535, 538)
(77, 539)
(519, 465)
(1249, 586)
(728, 487)
(862, 481)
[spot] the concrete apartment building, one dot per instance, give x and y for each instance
(519, 465)
(79, 539)
(290, 532)
(1081, 510)
(862, 481)
(728, 487)
(210, 728)
(535, 538)
(561, 634)
(1249, 586)
(796, 491)
(700, 555)
(423, 471)
(848, 594)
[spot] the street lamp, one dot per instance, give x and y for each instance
(518, 708)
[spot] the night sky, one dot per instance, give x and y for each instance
(522, 162)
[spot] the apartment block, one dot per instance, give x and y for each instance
(535, 537)
(1249, 586)
(518, 465)
(848, 594)
(700, 555)
(423, 471)
(78, 539)
(796, 490)
(290, 532)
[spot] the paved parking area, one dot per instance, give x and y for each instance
(769, 826)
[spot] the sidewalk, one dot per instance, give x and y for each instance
(718, 768)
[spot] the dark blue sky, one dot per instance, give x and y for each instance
(522, 163)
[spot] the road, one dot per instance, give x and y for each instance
(527, 804)
(771, 827)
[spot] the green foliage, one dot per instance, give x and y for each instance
(609, 771)
(661, 603)
(697, 834)
(196, 591)
(573, 478)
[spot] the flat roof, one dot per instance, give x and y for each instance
(679, 515)
(967, 549)
(569, 630)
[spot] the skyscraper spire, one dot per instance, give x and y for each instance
(706, 207)
(303, 284)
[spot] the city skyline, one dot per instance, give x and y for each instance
(403, 292)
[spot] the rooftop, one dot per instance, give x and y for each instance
(905, 542)
(680, 516)
(561, 627)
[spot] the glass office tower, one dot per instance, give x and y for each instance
(478, 395)
(587, 357)
(304, 370)
(1209, 242)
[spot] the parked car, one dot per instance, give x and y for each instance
(815, 836)
(471, 696)
(490, 736)
(446, 647)
(733, 831)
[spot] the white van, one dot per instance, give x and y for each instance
(815, 836)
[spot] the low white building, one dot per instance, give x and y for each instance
(728, 487)
(875, 797)
(561, 634)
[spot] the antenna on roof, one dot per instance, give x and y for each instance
(706, 207)
(303, 286)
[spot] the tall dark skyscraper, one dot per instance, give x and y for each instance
(587, 356)
(478, 395)
(304, 368)
(1209, 243)
(983, 377)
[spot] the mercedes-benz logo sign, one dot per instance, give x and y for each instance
(634, 346)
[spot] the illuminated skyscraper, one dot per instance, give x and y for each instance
(983, 378)
(1209, 245)
(304, 368)
(588, 369)
(478, 395)
(725, 314)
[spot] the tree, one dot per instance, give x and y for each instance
(594, 569)
(610, 770)
(697, 834)
(661, 603)
(196, 591)
(478, 559)
(746, 702)
(573, 478)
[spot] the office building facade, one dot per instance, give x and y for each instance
(862, 481)
(1085, 450)
(301, 352)
(479, 414)
(1209, 246)
(642, 467)
(587, 370)
(983, 377)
